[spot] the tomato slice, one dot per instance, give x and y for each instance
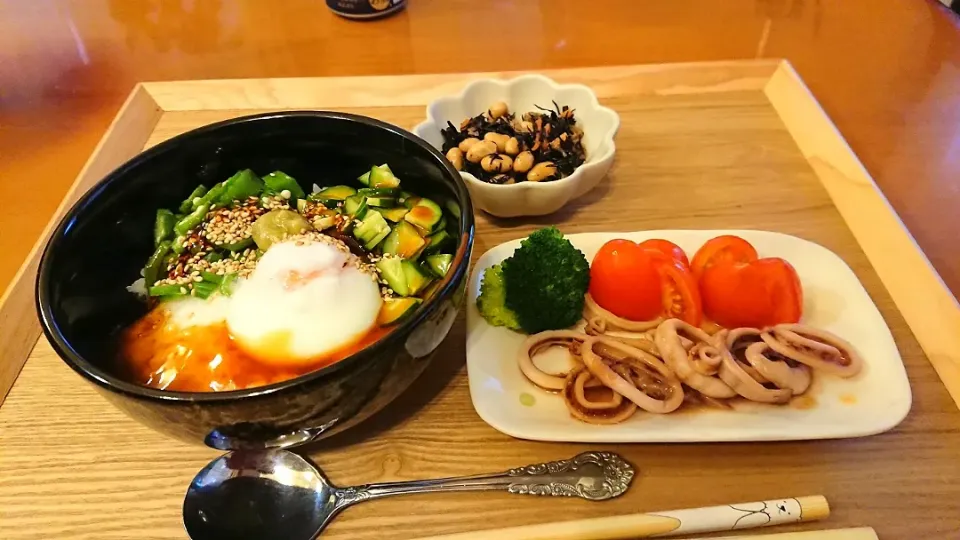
(722, 249)
(680, 294)
(667, 248)
(625, 282)
(754, 294)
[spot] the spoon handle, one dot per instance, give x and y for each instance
(591, 475)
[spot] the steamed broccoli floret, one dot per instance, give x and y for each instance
(492, 300)
(545, 281)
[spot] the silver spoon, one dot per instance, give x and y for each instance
(279, 494)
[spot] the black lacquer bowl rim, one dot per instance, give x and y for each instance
(395, 338)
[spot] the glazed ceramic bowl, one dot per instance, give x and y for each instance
(100, 245)
(524, 94)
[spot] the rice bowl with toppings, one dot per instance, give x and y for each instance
(254, 282)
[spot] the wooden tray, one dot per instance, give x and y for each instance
(718, 145)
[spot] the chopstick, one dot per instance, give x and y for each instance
(670, 523)
(859, 533)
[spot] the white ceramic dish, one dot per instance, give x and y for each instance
(874, 401)
(521, 94)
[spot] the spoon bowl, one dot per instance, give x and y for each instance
(257, 495)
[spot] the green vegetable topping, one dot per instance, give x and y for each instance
(278, 181)
(492, 300)
(204, 289)
(155, 264)
(211, 240)
(226, 285)
(197, 193)
(240, 186)
(191, 220)
(276, 225)
(545, 281)
(167, 290)
(163, 226)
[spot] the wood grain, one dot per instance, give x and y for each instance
(883, 69)
(859, 533)
(915, 286)
(18, 321)
(73, 467)
(680, 522)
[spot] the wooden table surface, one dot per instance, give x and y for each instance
(885, 70)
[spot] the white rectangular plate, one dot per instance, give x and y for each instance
(874, 401)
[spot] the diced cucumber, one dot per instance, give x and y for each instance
(416, 279)
(382, 202)
(355, 206)
(334, 193)
(372, 230)
(395, 214)
(452, 207)
(382, 177)
(364, 178)
(437, 242)
(410, 200)
(395, 310)
(391, 270)
(323, 223)
(404, 241)
(439, 264)
(278, 181)
(441, 225)
(379, 192)
(426, 214)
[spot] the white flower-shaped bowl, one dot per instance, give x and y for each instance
(524, 94)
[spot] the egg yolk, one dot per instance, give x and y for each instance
(157, 353)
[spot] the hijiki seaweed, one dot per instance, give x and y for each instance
(538, 146)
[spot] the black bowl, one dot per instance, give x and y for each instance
(99, 247)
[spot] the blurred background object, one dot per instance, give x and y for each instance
(365, 9)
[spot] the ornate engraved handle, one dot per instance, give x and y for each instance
(595, 476)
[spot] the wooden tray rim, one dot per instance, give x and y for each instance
(929, 308)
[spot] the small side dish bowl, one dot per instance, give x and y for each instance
(525, 94)
(100, 245)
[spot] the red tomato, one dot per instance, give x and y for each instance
(727, 248)
(680, 294)
(624, 281)
(668, 248)
(754, 294)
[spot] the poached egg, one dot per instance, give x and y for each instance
(308, 302)
(305, 300)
